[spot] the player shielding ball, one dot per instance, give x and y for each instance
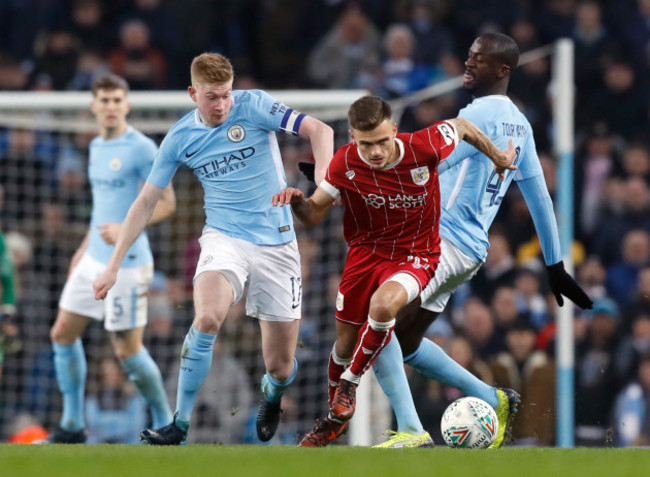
(229, 142)
(388, 183)
(471, 195)
(120, 159)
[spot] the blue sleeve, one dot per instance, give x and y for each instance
(540, 205)
(461, 152)
(529, 166)
(273, 114)
(147, 153)
(477, 116)
(165, 163)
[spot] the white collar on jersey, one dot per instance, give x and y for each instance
(500, 97)
(400, 145)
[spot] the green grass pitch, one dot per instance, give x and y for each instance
(335, 461)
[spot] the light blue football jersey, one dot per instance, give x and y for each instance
(470, 190)
(117, 169)
(238, 164)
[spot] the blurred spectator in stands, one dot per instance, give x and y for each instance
(12, 76)
(424, 114)
(641, 298)
(432, 39)
(634, 345)
(142, 65)
(556, 19)
(636, 161)
(24, 174)
(634, 29)
(595, 373)
(399, 73)
(479, 329)
(623, 276)
(89, 26)
(531, 373)
(622, 101)
(57, 53)
(352, 47)
(634, 214)
(530, 299)
(524, 32)
(591, 276)
(632, 409)
(592, 44)
(596, 160)
(499, 268)
(91, 65)
(115, 411)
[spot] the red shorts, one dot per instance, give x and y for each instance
(365, 272)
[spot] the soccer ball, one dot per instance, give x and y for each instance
(470, 423)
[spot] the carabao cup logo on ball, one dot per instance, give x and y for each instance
(469, 423)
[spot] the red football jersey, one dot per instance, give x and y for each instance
(394, 211)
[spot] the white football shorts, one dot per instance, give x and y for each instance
(454, 269)
(125, 306)
(272, 273)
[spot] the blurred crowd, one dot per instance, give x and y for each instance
(500, 325)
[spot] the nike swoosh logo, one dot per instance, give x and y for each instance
(366, 350)
(293, 307)
(188, 155)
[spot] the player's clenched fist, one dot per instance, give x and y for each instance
(287, 196)
(104, 283)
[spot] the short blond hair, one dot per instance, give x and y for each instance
(211, 68)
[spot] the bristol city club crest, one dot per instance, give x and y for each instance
(420, 175)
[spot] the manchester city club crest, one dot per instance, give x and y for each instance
(236, 133)
(115, 164)
(420, 175)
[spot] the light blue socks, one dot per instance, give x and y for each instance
(71, 369)
(143, 371)
(432, 361)
(196, 359)
(389, 369)
(272, 389)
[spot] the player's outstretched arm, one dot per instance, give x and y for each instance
(309, 211)
(139, 215)
(503, 160)
(321, 137)
(540, 205)
(166, 206)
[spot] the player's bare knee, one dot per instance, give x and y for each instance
(59, 335)
(208, 322)
(382, 308)
(280, 371)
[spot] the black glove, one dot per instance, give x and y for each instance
(563, 284)
(307, 168)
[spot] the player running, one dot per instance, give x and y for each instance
(389, 185)
(120, 159)
(229, 142)
(470, 196)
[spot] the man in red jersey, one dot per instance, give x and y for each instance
(388, 183)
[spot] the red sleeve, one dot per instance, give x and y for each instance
(336, 169)
(440, 138)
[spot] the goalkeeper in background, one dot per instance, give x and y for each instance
(470, 197)
(120, 159)
(7, 289)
